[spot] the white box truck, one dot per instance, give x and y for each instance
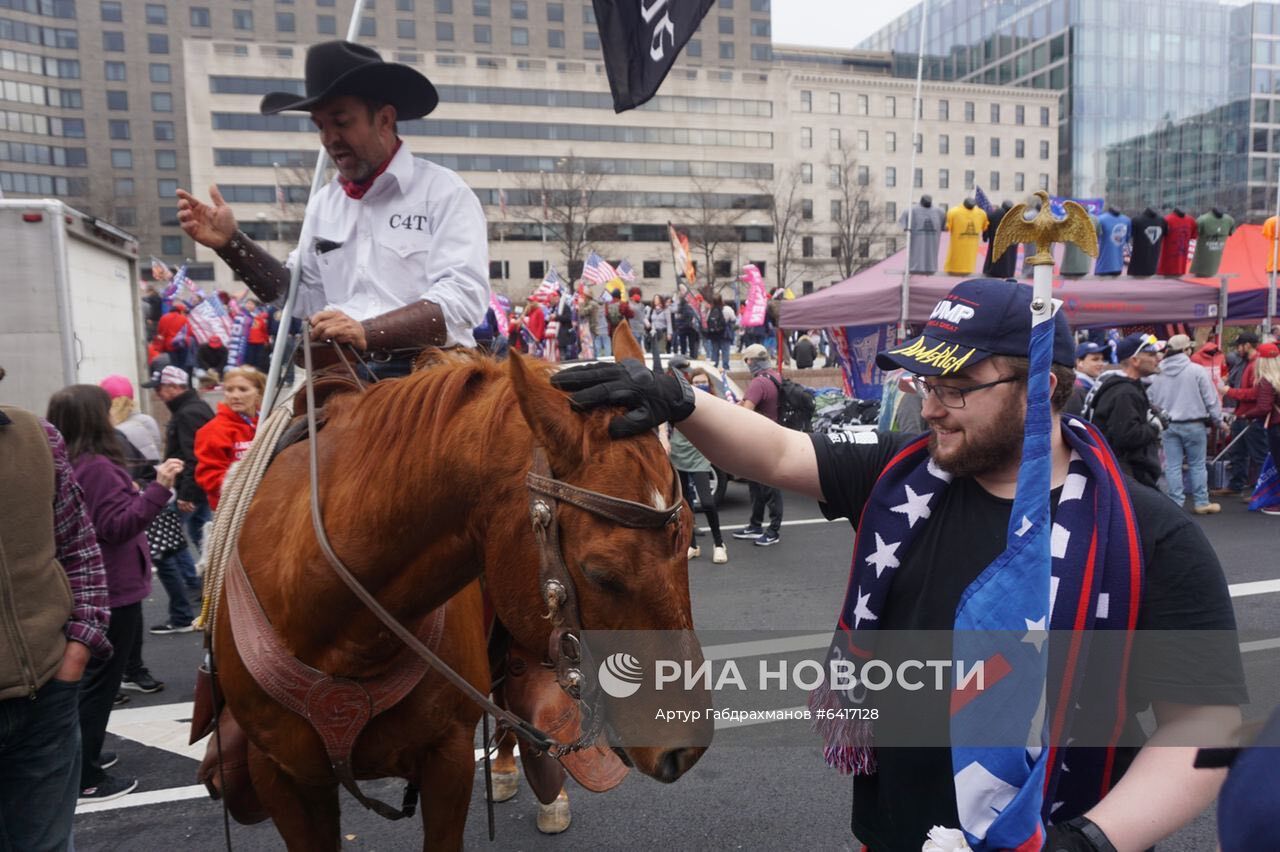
(70, 308)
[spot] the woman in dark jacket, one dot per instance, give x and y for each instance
(120, 515)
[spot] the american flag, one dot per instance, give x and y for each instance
(548, 292)
(597, 270)
(626, 272)
(209, 319)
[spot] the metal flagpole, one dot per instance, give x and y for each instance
(1275, 259)
(916, 107)
(295, 272)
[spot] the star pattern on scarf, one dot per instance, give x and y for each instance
(862, 612)
(885, 555)
(1037, 632)
(916, 507)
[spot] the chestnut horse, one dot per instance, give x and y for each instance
(422, 489)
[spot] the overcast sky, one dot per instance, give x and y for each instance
(832, 23)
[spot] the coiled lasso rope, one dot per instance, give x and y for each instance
(237, 493)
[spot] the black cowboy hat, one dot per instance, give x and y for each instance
(336, 68)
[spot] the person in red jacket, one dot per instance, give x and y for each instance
(176, 340)
(226, 438)
(257, 353)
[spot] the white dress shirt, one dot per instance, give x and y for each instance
(418, 233)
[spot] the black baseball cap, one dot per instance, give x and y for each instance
(979, 318)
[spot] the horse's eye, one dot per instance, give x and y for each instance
(604, 579)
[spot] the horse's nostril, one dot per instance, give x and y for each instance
(677, 762)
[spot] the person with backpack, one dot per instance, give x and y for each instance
(719, 332)
(763, 395)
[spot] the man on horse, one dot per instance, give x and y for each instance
(932, 514)
(396, 251)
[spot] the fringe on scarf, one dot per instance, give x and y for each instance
(847, 742)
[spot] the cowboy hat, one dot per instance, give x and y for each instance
(337, 68)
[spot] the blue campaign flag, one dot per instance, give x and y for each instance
(980, 199)
(1267, 492)
(1003, 620)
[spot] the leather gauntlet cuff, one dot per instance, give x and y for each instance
(411, 328)
(267, 277)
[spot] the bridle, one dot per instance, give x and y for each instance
(555, 582)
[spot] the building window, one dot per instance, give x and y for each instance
(864, 140)
(156, 14)
(806, 209)
(968, 111)
(944, 109)
(166, 160)
(444, 31)
(726, 4)
(482, 34)
(995, 113)
(761, 29)
(726, 50)
(806, 172)
(726, 25)
(285, 22)
(326, 25)
(369, 27)
(652, 269)
(117, 100)
(114, 71)
(864, 248)
(835, 176)
(969, 149)
(864, 176)
(537, 269)
(944, 144)
(919, 143)
(762, 52)
(944, 178)
(520, 10)
(171, 246)
(444, 7)
(833, 102)
(591, 40)
(161, 72)
(995, 146)
(760, 5)
(555, 39)
(113, 42)
(806, 100)
(1044, 116)
(862, 105)
(404, 5)
(519, 36)
(163, 131)
(112, 10)
(118, 129)
(890, 106)
(406, 29)
(242, 19)
(968, 178)
(1044, 181)
(917, 178)
(161, 102)
(157, 43)
(1044, 150)
(1019, 148)
(806, 137)
(995, 180)
(836, 208)
(124, 186)
(891, 210)
(166, 188)
(1019, 114)
(835, 139)
(481, 8)
(499, 268)
(555, 13)
(806, 246)
(693, 48)
(1019, 181)
(890, 176)
(121, 158)
(890, 142)
(200, 17)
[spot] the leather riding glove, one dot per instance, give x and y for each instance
(1077, 835)
(650, 398)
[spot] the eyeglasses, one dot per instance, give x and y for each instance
(953, 397)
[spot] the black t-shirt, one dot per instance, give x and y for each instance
(1148, 234)
(1007, 265)
(1184, 589)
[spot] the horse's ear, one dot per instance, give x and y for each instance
(624, 343)
(547, 411)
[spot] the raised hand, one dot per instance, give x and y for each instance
(167, 472)
(211, 225)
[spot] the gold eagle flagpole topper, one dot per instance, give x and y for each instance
(1024, 224)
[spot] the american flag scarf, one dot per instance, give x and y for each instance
(1095, 584)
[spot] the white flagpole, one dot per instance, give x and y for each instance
(916, 107)
(1275, 257)
(286, 318)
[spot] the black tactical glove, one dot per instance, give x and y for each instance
(1077, 835)
(650, 398)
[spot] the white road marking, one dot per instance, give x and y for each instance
(800, 523)
(1260, 587)
(147, 797)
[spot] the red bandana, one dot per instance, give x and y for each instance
(357, 188)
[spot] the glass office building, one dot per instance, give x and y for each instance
(1162, 104)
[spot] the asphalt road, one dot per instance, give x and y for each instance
(747, 792)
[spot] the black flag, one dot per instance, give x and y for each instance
(640, 40)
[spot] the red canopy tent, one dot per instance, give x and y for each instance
(1244, 264)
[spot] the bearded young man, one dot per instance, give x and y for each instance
(934, 513)
(396, 253)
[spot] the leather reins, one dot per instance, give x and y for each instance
(555, 582)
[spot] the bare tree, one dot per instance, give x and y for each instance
(712, 229)
(568, 202)
(853, 211)
(786, 217)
